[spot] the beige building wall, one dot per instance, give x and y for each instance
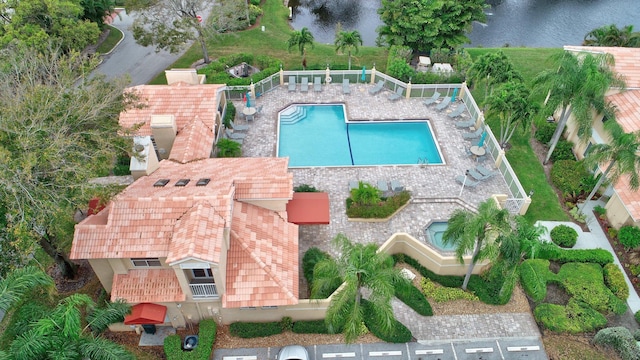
(104, 272)
(271, 204)
(164, 130)
(189, 76)
(617, 213)
(144, 160)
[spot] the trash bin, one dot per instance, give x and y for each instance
(190, 342)
(149, 328)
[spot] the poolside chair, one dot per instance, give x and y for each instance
(465, 124)
(443, 105)
(376, 89)
(234, 135)
(317, 84)
(353, 184)
(463, 180)
(473, 135)
(432, 99)
(457, 112)
(292, 83)
(383, 186)
(304, 84)
(485, 172)
(476, 175)
(396, 95)
(240, 127)
(396, 186)
(345, 86)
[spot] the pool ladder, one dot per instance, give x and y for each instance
(423, 161)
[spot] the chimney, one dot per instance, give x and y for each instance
(163, 128)
(189, 76)
(143, 158)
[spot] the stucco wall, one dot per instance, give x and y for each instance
(617, 214)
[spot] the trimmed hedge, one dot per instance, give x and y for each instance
(573, 318)
(614, 279)
(229, 115)
(564, 236)
(249, 330)
(533, 278)
(206, 338)
(414, 298)
(620, 340)
(584, 282)
(555, 253)
(568, 175)
(444, 294)
(544, 132)
(378, 211)
(398, 334)
(310, 327)
(629, 237)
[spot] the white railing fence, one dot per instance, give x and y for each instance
(203, 290)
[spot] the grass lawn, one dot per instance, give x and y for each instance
(112, 39)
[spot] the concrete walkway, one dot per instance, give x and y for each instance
(595, 239)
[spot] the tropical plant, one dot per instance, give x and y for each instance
(228, 148)
(348, 40)
(514, 108)
(578, 86)
(611, 35)
(495, 68)
(621, 154)
(300, 39)
(361, 266)
(479, 233)
(18, 283)
(365, 194)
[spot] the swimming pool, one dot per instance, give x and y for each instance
(434, 232)
(321, 135)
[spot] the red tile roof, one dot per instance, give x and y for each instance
(630, 199)
(262, 262)
(194, 142)
(627, 61)
(147, 285)
(311, 208)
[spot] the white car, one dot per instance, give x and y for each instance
(293, 352)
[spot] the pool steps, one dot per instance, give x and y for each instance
(292, 115)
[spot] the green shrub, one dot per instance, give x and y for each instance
(228, 148)
(286, 323)
(206, 338)
(629, 237)
(381, 210)
(309, 260)
(254, 12)
(414, 298)
(635, 269)
(249, 330)
(578, 215)
(620, 340)
(555, 253)
(305, 188)
(599, 210)
(563, 151)
(614, 279)
(121, 167)
(636, 334)
(564, 236)
(544, 132)
(567, 176)
(637, 317)
(444, 294)
(398, 332)
(495, 286)
(310, 327)
(613, 233)
(533, 277)
(573, 318)
(229, 115)
(584, 282)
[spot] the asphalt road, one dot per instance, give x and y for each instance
(496, 349)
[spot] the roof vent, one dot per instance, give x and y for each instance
(203, 182)
(182, 182)
(161, 183)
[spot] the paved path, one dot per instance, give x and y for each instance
(594, 239)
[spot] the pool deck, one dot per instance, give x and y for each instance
(435, 193)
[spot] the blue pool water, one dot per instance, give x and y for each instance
(319, 135)
(434, 231)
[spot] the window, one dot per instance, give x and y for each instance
(145, 262)
(586, 151)
(202, 273)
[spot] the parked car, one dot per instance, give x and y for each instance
(293, 352)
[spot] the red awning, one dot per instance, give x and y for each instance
(308, 208)
(146, 313)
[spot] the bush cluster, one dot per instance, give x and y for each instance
(206, 338)
(229, 115)
(252, 330)
(379, 211)
(563, 151)
(533, 278)
(555, 253)
(305, 188)
(564, 236)
(216, 71)
(444, 294)
(599, 210)
(621, 340)
(637, 317)
(121, 167)
(309, 260)
(629, 237)
(310, 327)
(584, 282)
(614, 279)
(414, 298)
(397, 334)
(544, 132)
(493, 287)
(567, 176)
(573, 318)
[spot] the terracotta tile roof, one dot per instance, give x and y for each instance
(274, 188)
(630, 199)
(262, 262)
(185, 102)
(628, 109)
(194, 142)
(627, 61)
(147, 285)
(197, 234)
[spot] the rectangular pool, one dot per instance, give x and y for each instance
(320, 135)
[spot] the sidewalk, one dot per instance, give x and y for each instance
(594, 239)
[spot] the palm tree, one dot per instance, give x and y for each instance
(514, 108)
(301, 39)
(70, 331)
(611, 35)
(479, 232)
(365, 194)
(578, 86)
(621, 154)
(17, 284)
(360, 266)
(496, 68)
(348, 40)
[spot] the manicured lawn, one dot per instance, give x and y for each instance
(114, 36)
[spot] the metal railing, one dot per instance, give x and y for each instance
(200, 291)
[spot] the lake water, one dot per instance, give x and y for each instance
(531, 23)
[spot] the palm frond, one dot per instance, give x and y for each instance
(99, 348)
(100, 319)
(19, 282)
(29, 346)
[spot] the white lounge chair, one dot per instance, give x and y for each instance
(462, 179)
(485, 172)
(240, 127)
(465, 124)
(457, 112)
(376, 89)
(292, 83)
(476, 175)
(304, 84)
(432, 99)
(396, 95)
(317, 84)
(443, 105)
(345, 86)
(396, 186)
(473, 135)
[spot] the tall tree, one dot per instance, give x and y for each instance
(621, 154)
(348, 40)
(360, 266)
(514, 108)
(479, 233)
(56, 132)
(611, 35)
(493, 68)
(424, 25)
(300, 39)
(71, 331)
(170, 24)
(96, 10)
(578, 87)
